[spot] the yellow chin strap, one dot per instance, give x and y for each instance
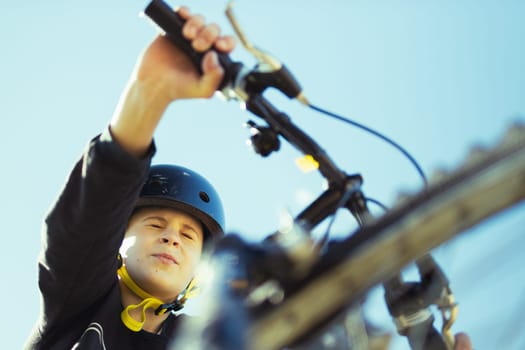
(149, 301)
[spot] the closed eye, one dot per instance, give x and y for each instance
(155, 222)
(189, 235)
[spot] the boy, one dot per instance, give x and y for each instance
(85, 305)
(158, 218)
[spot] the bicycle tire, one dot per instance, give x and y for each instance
(488, 182)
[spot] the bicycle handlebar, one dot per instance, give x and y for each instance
(249, 85)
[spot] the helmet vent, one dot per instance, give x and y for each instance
(204, 196)
(159, 183)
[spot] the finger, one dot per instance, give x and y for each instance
(462, 342)
(225, 43)
(206, 37)
(192, 26)
(184, 12)
(212, 74)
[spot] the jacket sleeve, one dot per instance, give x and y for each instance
(84, 228)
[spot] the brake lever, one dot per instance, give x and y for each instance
(269, 71)
(239, 82)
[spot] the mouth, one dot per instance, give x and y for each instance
(166, 258)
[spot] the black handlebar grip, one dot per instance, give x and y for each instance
(171, 23)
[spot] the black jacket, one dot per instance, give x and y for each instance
(82, 234)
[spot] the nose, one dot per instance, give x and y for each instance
(170, 236)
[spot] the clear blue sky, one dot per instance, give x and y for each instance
(436, 76)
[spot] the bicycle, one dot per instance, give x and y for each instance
(270, 304)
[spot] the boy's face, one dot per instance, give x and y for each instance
(161, 250)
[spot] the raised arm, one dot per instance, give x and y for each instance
(162, 75)
(85, 226)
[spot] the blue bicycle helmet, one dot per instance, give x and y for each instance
(183, 189)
